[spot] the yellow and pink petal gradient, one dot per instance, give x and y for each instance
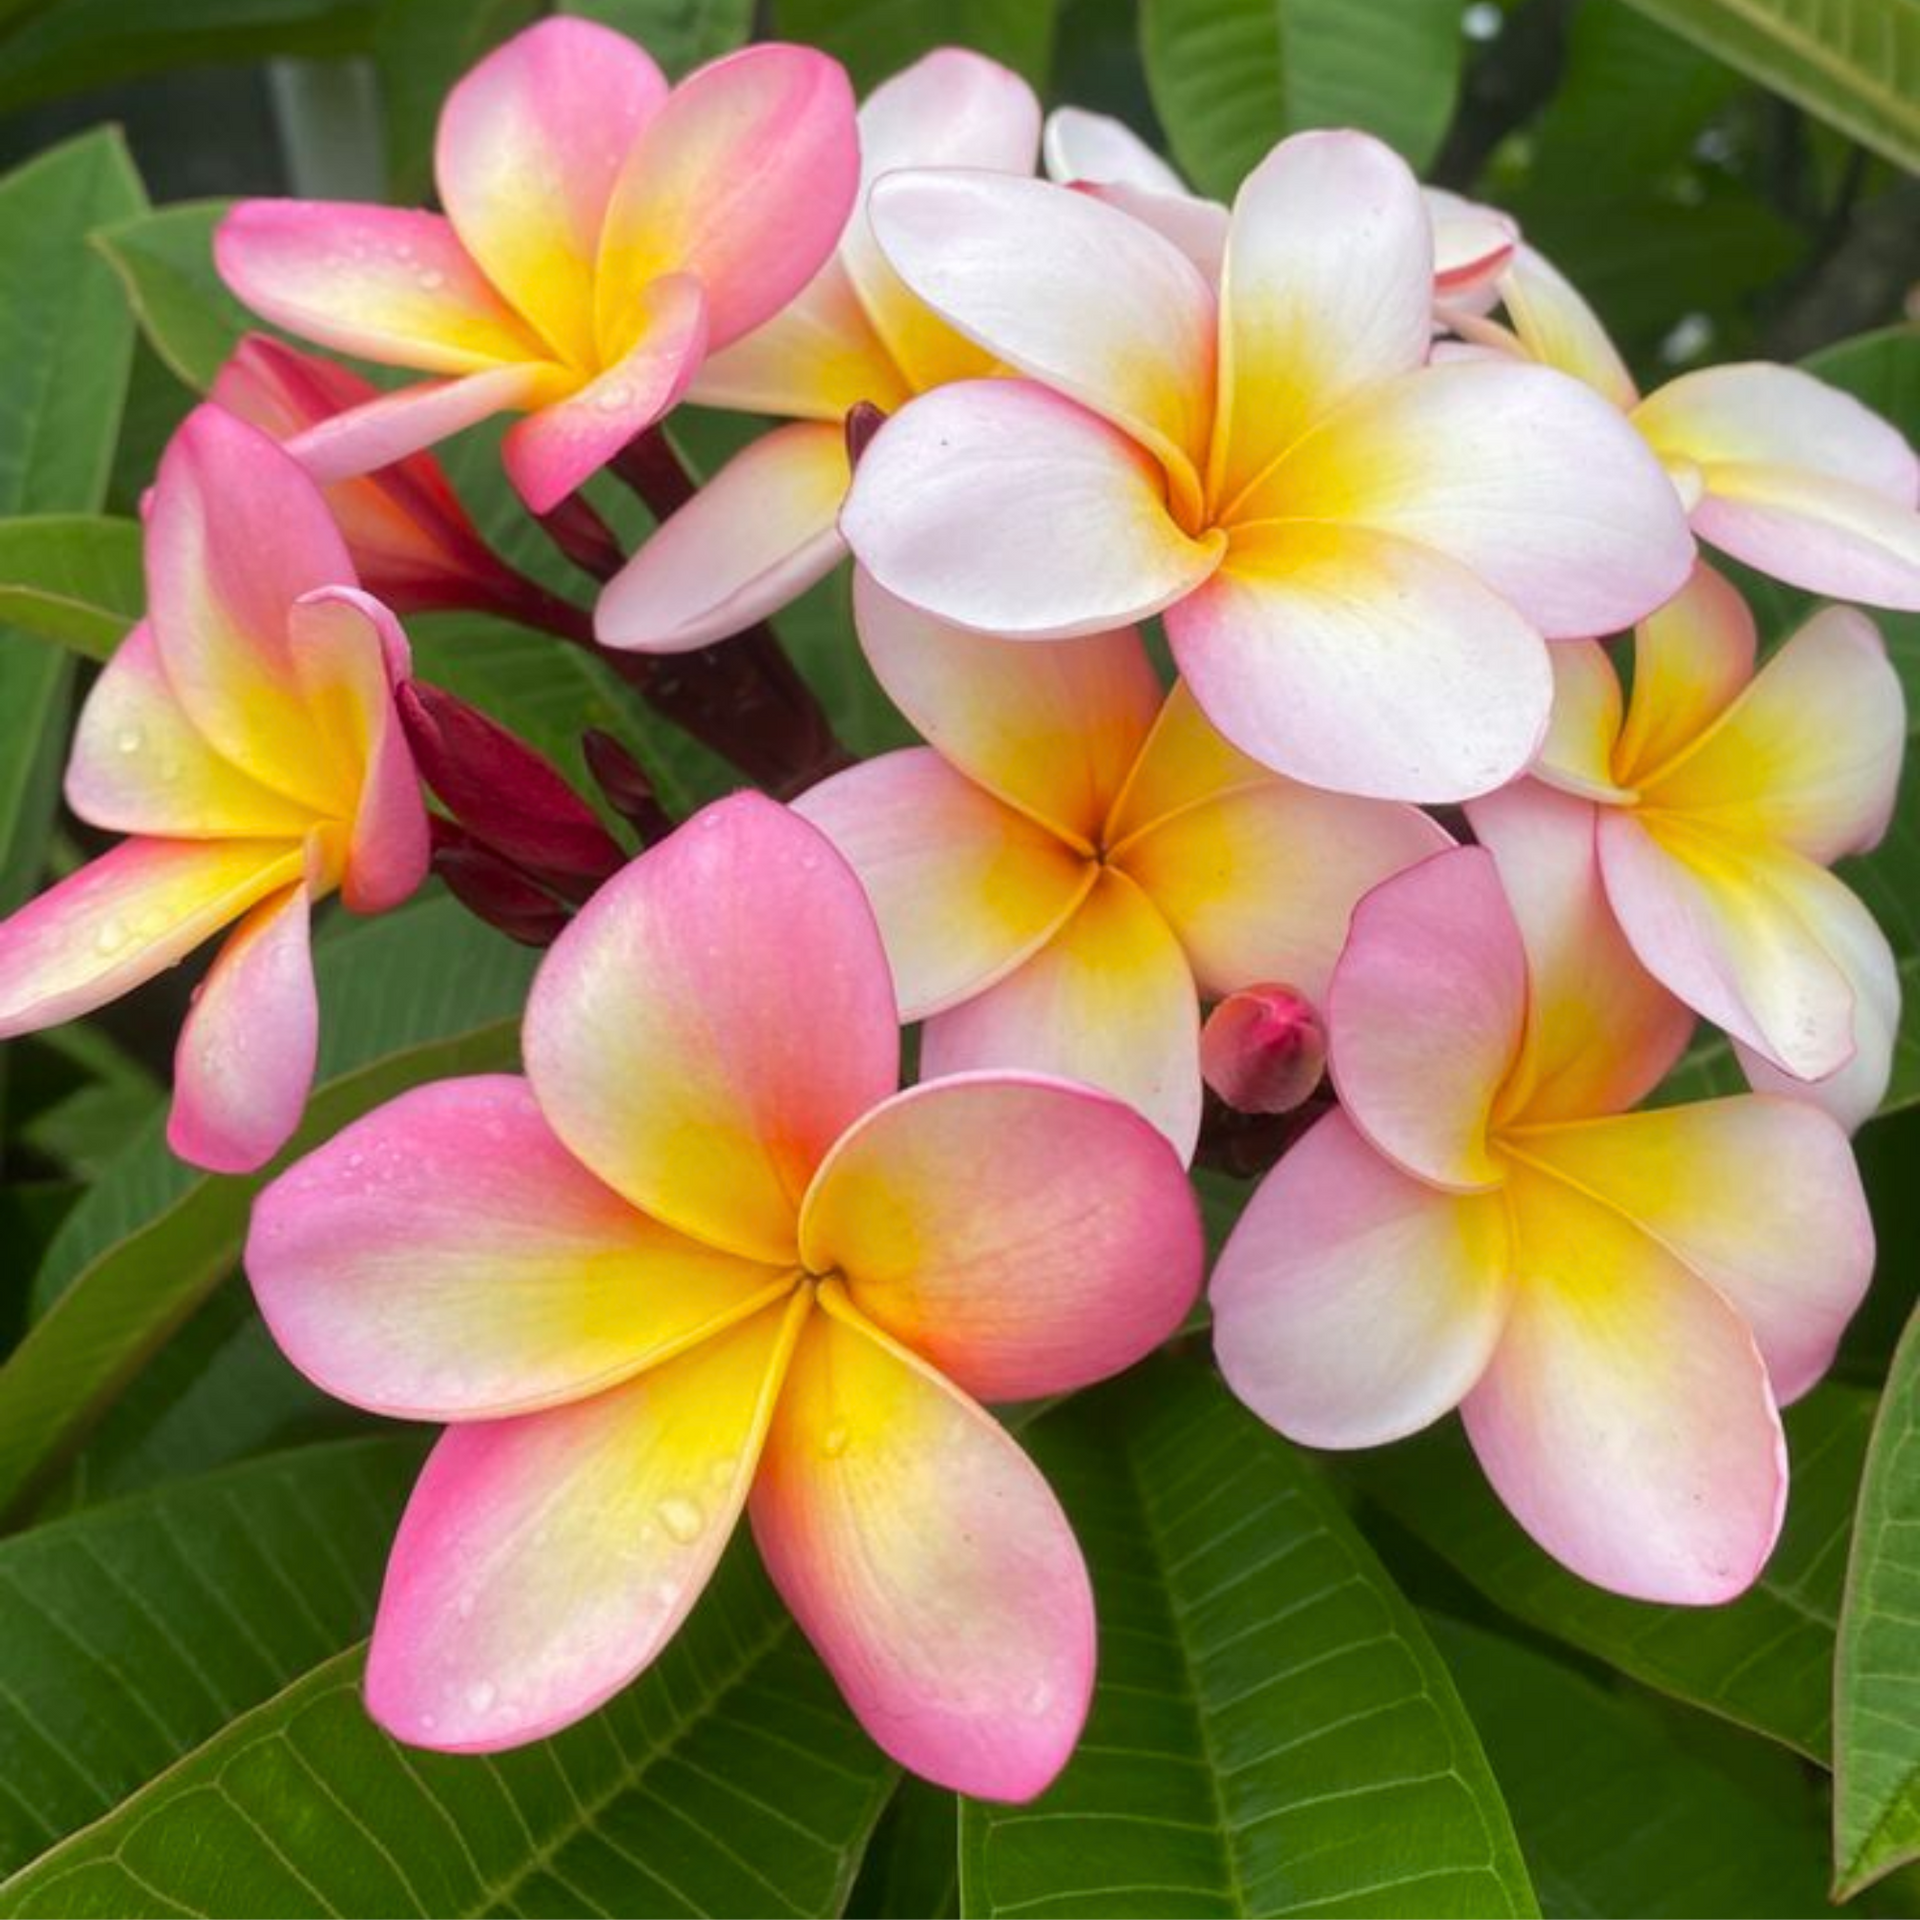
(1618, 1303)
(1359, 554)
(602, 234)
(1719, 795)
(703, 1259)
(1077, 860)
(244, 737)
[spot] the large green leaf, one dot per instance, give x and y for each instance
(1271, 1733)
(729, 1780)
(1230, 77)
(876, 38)
(1854, 63)
(71, 577)
(165, 260)
(1876, 1824)
(678, 33)
(1615, 1814)
(139, 1630)
(420, 994)
(1765, 1660)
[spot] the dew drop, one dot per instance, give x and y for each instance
(614, 399)
(682, 1518)
(129, 739)
(432, 280)
(480, 1696)
(720, 1471)
(835, 1444)
(113, 934)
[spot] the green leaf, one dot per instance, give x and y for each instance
(1853, 63)
(912, 1868)
(1764, 1661)
(1230, 77)
(729, 1779)
(165, 261)
(1876, 1820)
(101, 1097)
(71, 577)
(876, 38)
(418, 994)
(139, 1630)
(1272, 1732)
(678, 33)
(1614, 1813)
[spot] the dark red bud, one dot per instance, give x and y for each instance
(577, 529)
(494, 890)
(624, 782)
(864, 420)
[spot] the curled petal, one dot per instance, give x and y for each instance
(396, 426)
(1472, 245)
(1079, 145)
(1691, 658)
(1557, 328)
(1578, 753)
(1826, 536)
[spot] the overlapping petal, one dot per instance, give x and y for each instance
(395, 426)
(1827, 536)
(1557, 327)
(1691, 658)
(1583, 731)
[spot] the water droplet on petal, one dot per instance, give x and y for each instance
(682, 1518)
(614, 399)
(113, 934)
(432, 280)
(480, 1696)
(130, 739)
(835, 1444)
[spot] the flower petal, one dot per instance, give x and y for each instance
(1024, 1236)
(1690, 660)
(1558, 329)
(1108, 1001)
(1075, 294)
(1002, 506)
(1364, 663)
(545, 1560)
(446, 1258)
(1096, 147)
(125, 917)
(713, 1019)
(1472, 245)
(1516, 472)
(1760, 1197)
(382, 283)
(1588, 709)
(244, 1064)
(964, 887)
(755, 537)
(1327, 288)
(1626, 1418)
(1426, 1016)
(1050, 728)
(552, 452)
(395, 426)
(743, 179)
(927, 1561)
(1195, 227)
(1353, 1305)
(529, 146)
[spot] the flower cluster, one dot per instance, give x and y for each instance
(1404, 517)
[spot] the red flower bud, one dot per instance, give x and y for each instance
(1263, 1050)
(492, 889)
(622, 779)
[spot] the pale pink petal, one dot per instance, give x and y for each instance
(446, 1258)
(1024, 1236)
(382, 283)
(1109, 1000)
(121, 919)
(395, 426)
(1690, 660)
(1826, 536)
(1426, 1016)
(1353, 1305)
(562, 446)
(964, 887)
(1197, 228)
(1514, 471)
(530, 144)
(1577, 755)
(1364, 663)
(1185, 762)
(1626, 1417)
(1050, 728)
(244, 1065)
(755, 537)
(927, 1561)
(543, 1561)
(1472, 245)
(1557, 327)
(743, 179)
(1097, 148)
(1758, 1196)
(713, 1020)
(1327, 289)
(1001, 506)
(1075, 294)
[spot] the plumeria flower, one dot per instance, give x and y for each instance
(1077, 859)
(1720, 794)
(601, 235)
(244, 736)
(1778, 469)
(1617, 1302)
(704, 1258)
(1100, 155)
(765, 527)
(1357, 553)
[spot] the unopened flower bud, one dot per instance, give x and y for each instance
(493, 889)
(1263, 1049)
(622, 779)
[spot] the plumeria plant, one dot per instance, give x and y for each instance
(1312, 869)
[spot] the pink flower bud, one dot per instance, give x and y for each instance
(1263, 1049)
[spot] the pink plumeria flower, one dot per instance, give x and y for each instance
(766, 526)
(244, 735)
(602, 235)
(1078, 858)
(1719, 797)
(1357, 553)
(704, 1258)
(1105, 157)
(1778, 469)
(1617, 1302)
